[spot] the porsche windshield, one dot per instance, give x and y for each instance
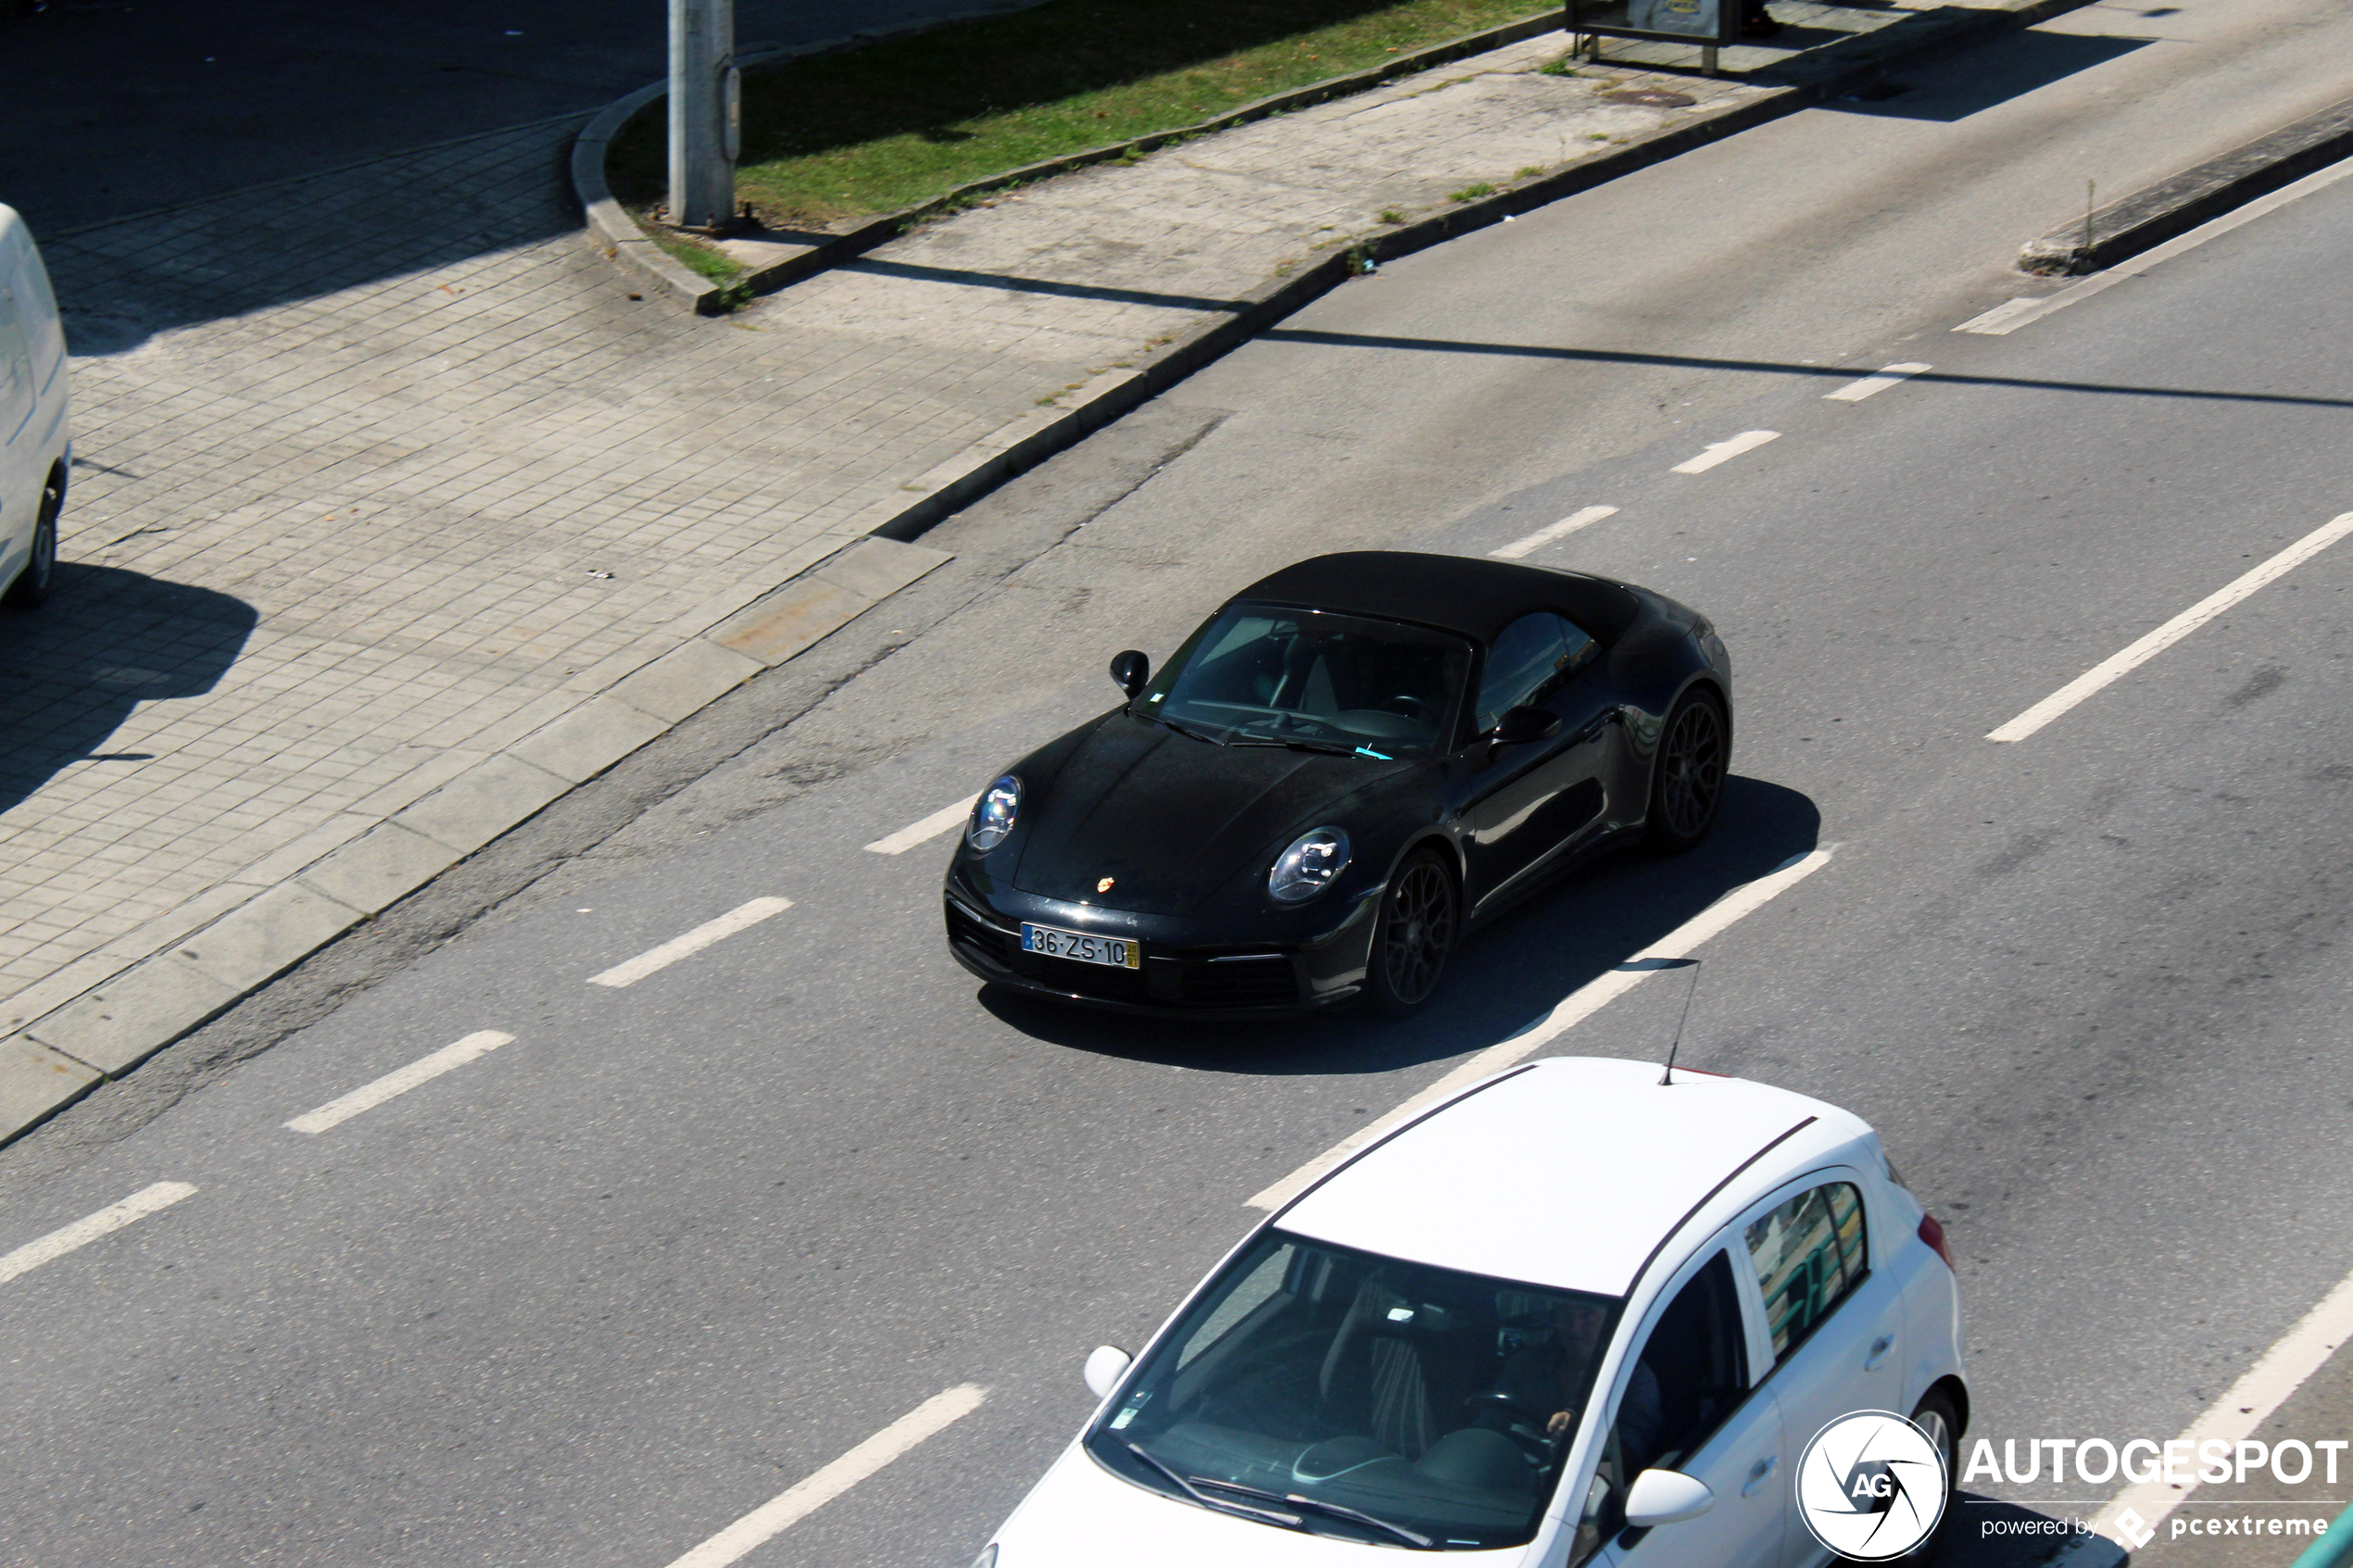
(1382, 1401)
(1268, 675)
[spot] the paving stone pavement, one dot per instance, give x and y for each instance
(382, 477)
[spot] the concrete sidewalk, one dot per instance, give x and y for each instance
(396, 514)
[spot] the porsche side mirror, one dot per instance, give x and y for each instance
(1131, 669)
(1520, 725)
(1106, 1364)
(1666, 1496)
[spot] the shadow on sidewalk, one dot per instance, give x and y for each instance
(123, 283)
(1505, 978)
(106, 641)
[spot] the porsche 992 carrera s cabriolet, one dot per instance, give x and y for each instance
(1353, 763)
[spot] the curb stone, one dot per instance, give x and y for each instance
(607, 217)
(615, 234)
(2150, 217)
(118, 1020)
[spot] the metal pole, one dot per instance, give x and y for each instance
(702, 78)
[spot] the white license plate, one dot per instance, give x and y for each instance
(1116, 951)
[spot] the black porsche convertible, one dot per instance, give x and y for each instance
(1350, 765)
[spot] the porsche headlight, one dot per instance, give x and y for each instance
(993, 814)
(1309, 866)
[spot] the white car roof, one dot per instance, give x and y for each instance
(1568, 1173)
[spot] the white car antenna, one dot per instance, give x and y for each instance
(1667, 1076)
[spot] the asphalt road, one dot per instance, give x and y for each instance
(593, 1296)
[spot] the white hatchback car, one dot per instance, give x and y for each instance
(1574, 1315)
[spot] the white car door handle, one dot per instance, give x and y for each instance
(1759, 1473)
(1880, 1348)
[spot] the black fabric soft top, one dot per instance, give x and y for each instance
(1462, 594)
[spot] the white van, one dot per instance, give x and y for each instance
(35, 451)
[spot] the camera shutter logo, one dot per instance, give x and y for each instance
(1871, 1485)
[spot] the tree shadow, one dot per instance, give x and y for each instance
(925, 91)
(1504, 978)
(106, 641)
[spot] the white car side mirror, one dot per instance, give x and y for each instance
(1666, 1496)
(1106, 1364)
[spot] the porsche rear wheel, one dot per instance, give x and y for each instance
(1687, 782)
(1419, 920)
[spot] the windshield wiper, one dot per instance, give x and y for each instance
(1340, 1510)
(1288, 1521)
(1186, 729)
(1296, 743)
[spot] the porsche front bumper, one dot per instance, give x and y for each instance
(1286, 965)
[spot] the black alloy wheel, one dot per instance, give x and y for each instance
(32, 585)
(1687, 782)
(1418, 922)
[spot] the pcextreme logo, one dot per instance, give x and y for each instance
(1871, 1485)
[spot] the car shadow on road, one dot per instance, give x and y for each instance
(1502, 979)
(106, 641)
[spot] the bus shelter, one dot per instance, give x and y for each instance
(1708, 23)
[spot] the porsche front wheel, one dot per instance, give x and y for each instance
(1687, 780)
(1418, 922)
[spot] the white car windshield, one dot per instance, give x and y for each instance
(1318, 1387)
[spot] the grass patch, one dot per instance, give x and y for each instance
(836, 139)
(700, 260)
(1472, 193)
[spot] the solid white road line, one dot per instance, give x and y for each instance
(741, 918)
(2173, 632)
(2013, 314)
(780, 1513)
(1856, 390)
(113, 1217)
(931, 827)
(1560, 530)
(1725, 451)
(2247, 1405)
(400, 1081)
(1578, 1006)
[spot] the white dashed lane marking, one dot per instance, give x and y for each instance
(781, 1512)
(2119, 665)
(1578, 1006)
(741, 918)
(1856, 390)
(1545, 535)
(83, 1232)
(931, 827)
(1725, 451)
(400, 1081)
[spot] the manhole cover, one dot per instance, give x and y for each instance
(1650, 96)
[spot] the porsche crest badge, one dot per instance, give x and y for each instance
(1104, 885)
